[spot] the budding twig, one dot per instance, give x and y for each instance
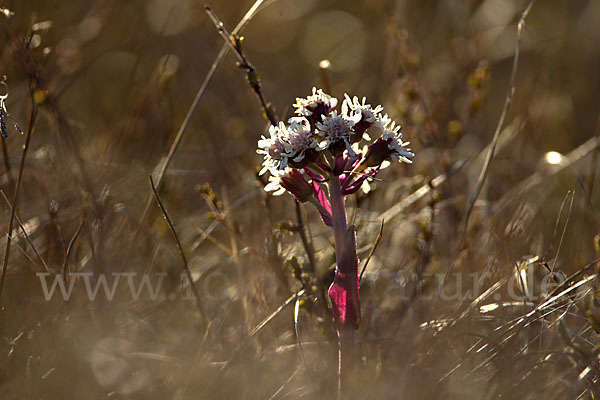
(235, 42)
(163, 165)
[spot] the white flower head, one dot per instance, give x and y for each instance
(335, 128)
(299, 138)
(351, 108)
(274, 148)
(285, 144)
(274, 184)
(393, 137)
(319, 101)
(382, 122)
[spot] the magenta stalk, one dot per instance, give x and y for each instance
(345, 274)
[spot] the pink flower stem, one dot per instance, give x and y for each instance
(346, 332)
(338, 214)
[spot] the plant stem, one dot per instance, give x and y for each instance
(346, 339)
(338, 214)
(346, 333)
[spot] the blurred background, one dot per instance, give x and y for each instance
(103, 87)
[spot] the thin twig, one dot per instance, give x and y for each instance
(507, 103)
(279, 309)
(310, 252)
(592, 172)
(214, 241)
(284, 384)
(7, 162)
(163, 165)
(235, 42)
(303, 237)
(377, 240)
(69, 138)
(13, 211)
(179, 247)
(65, 267)
(562, 236)
(537, 179)
(26, 235)
(253, 333)
(199, 354)
(418, 194)
(298, 339)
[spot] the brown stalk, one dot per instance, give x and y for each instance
(492, 149)
(186, 267)
(163, 165)
(13, 212)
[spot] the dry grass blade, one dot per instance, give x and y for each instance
(418, 194)
(163, 165)
(571, 278)
(552, 299)
(592, 173)
(505, 108)
(253, 333)
(298, 339)
(65, 267)
(13, 211)
(7, 168)
(562, 236)
(26, 235)
(275, 313)
(306, 243)
(287, 382)
(536, 179)
(487, 293)
(186, 267)
(377, 240)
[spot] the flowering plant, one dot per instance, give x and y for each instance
(318, 158)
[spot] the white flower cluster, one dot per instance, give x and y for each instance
(392, 135)
(353, 107)
(285, 143)
(319, 127)
(308, 106)
(335, 128)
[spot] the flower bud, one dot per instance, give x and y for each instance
(297, 185)
(377, 153)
